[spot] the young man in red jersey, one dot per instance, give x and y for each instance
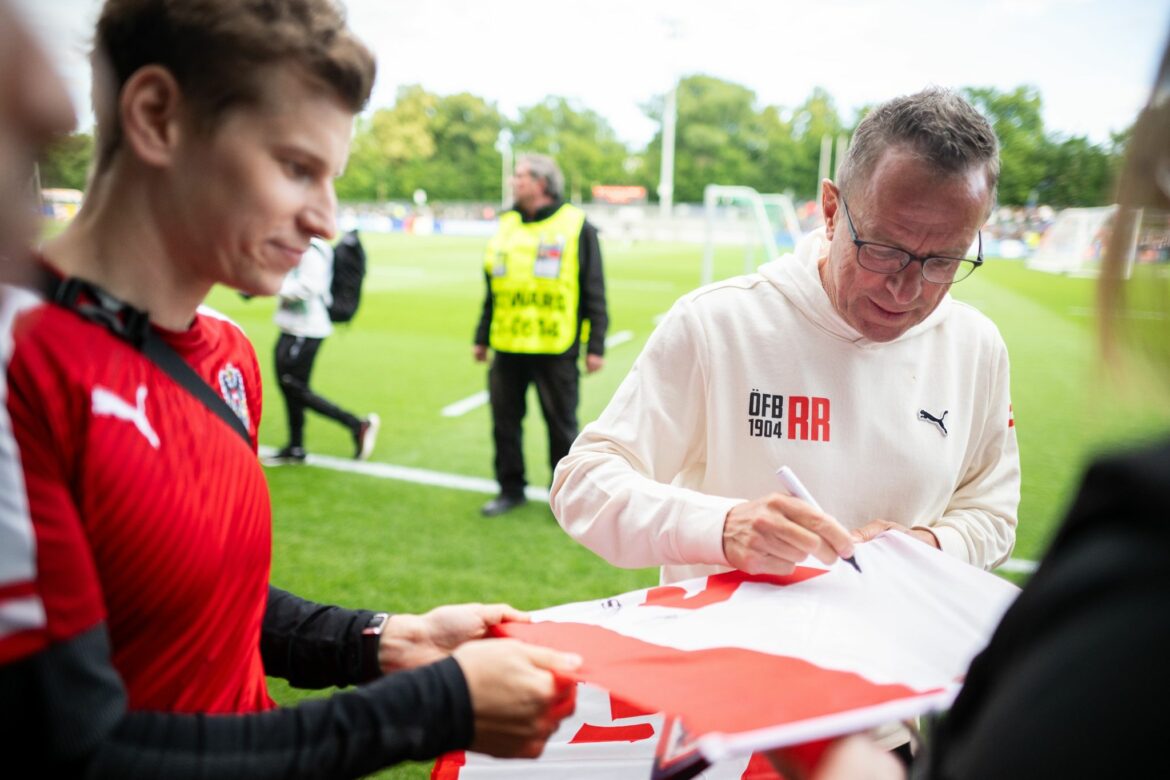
(137, 619)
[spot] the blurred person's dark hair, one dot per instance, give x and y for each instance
(1135, 306)
(219, 52)
(938, 125)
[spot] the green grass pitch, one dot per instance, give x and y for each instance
(404, 547)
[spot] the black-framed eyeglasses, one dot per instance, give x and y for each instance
(883, 259)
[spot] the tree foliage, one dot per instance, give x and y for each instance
(65, 163)
(448, 146)
(581, 141)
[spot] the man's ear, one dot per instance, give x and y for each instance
(829, 205)
(151, 108)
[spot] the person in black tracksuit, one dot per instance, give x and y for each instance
(304, 322)
(544, 280)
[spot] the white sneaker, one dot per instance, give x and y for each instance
(366, 437)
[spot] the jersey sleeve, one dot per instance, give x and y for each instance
(48, 572)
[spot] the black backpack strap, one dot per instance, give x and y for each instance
(165, 357)
(133, 326)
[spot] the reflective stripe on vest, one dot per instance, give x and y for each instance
(533, 268)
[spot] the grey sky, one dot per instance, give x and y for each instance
(1092, 60)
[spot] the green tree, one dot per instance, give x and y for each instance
(466, 164)
(719, 138)
(389, 146)
(812, 121)
(444, 145)
(1017, 121)
(582, 142)
(1078, 173)
(65, 163)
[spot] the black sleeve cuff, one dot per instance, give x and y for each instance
(315, 645)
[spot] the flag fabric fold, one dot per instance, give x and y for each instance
(749, 663)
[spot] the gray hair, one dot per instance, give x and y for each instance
(545, 168)
(937, 124)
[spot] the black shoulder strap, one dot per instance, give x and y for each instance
(133, 326)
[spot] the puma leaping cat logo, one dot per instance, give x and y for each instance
(107, 403)
(928, 417)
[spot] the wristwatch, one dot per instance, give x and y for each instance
(371, 637)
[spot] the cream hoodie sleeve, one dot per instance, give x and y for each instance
(617, 492)
(979, 524)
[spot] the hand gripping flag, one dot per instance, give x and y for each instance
(713, 669)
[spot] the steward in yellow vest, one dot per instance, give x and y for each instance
(545, 292)
(532, 271)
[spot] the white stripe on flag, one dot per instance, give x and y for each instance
(21, 614)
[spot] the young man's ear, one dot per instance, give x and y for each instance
(150, 108)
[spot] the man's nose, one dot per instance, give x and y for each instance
(906, 285)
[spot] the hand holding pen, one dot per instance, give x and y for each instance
(772, 534)
(794, 486)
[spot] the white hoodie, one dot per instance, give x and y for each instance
(686, 436)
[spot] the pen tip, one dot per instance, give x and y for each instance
(853, 563)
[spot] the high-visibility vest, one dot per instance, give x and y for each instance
(533, 267)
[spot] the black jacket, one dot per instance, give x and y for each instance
(63, 710)
(1074, 682)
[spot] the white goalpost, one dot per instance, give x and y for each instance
(740, 215)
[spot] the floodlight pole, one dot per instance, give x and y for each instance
(826, 157)
(842, 147)
(504, 147)
(666, 171)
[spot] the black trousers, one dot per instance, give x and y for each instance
(294, 364)
(556, 379)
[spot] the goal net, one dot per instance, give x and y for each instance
(1075, 242)
(759, 223)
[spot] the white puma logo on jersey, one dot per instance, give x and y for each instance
(107, 403)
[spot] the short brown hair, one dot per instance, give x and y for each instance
(937, 124)
(217, 51)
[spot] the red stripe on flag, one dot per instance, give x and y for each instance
(619, 709)
(724, 689)
(447, 767)
(590, 733)
(721, 587)
(760, 768)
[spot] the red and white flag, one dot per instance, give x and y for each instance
(749, 663)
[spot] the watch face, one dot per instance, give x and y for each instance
(376, 624)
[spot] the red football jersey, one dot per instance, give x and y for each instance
(144, 509)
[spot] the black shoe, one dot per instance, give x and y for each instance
(287, 454)
(365, 436)
(502, 503)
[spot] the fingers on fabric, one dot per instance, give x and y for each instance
(519, 693)
(772, 534)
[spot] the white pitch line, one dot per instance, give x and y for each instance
(621, 337)
(408, 474)
(1018, 566)
(465, 405)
